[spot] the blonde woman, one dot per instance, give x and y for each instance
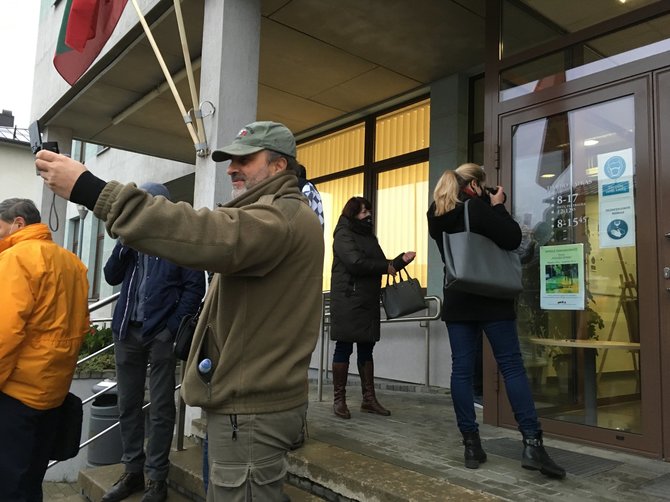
(467, 314)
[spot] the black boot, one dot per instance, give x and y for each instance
(128, 483)
(156, 491)
(536, 458)
(370, 403)
(340, 373)
(474, 454)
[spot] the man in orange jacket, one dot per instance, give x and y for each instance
(43, 321)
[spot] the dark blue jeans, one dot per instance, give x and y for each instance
(502, 336)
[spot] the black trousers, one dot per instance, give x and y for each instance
(26, 436)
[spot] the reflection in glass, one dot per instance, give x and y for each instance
(574, 173)
(637, 42)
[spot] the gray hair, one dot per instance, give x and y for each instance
(291, 163)
(10, 209)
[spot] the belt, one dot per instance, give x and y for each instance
(135, 324)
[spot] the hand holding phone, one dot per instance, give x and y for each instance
(36, 143)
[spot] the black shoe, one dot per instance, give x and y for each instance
(156, 491)
(536, 458)
(474, 453)
(128, 483)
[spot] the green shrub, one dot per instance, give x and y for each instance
(96, 339)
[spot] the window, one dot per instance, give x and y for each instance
(384, 158)
(402, 227)
(642, 40)
(74, 226)
(333, 153)
(99, 248)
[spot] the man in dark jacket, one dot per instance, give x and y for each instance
(155, 295)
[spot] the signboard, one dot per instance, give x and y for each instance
(562, 277)
(616, 199)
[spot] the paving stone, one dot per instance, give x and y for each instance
(418, 449)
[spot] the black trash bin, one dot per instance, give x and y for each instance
(107, 448)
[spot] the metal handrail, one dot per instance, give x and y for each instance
(101, 303)
(325, 326)
(325, 323)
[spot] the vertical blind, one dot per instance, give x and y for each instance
(402, 193)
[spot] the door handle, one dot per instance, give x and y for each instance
(666, 272)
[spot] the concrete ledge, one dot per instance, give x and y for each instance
(94, 482)
(186, 472)
(358, 477)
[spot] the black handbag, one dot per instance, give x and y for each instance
(402, 297)
(68, 427)
(185, 332)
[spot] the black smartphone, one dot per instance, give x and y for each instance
(36, 143)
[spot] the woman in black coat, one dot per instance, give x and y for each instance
(466, 315)
(358, 266)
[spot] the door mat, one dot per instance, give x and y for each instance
(578, 464)
(659, 487)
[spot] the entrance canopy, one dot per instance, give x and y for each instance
(319, 61)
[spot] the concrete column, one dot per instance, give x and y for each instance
(54, 210)
(229, 79)
(448, 149)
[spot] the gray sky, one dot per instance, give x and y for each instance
(18, 39)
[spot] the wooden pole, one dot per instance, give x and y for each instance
(166, 72)
(200, 128)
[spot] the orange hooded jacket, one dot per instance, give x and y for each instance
(43, 317)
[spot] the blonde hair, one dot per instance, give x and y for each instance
(450, 183)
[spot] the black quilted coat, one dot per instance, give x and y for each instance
(358, 266)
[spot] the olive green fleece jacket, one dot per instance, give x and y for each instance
(260, 320)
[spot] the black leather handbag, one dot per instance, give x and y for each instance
(402, 297)
(185, 332)
(70, 418)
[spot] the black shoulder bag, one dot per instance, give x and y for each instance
(185, 332)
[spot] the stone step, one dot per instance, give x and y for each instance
(332, 473)
(95, 481)
(339, 474)
(318, 471)
(184, 480)
(186, 476)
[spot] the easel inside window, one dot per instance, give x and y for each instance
(628, 303)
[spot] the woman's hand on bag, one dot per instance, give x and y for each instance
(409, 256)
(391, 270)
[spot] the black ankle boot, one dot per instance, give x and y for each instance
(474, 454)
(536, 458)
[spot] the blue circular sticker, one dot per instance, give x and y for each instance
(617, 229)
(614, 167)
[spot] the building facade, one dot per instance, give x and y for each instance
(565, 103)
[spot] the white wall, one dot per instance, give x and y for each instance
(48, 85)
(17, 172)
(401, 354)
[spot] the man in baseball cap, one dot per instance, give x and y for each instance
(256, 328)
(258, 136)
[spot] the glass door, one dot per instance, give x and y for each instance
(581, 182)
(662, 133)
